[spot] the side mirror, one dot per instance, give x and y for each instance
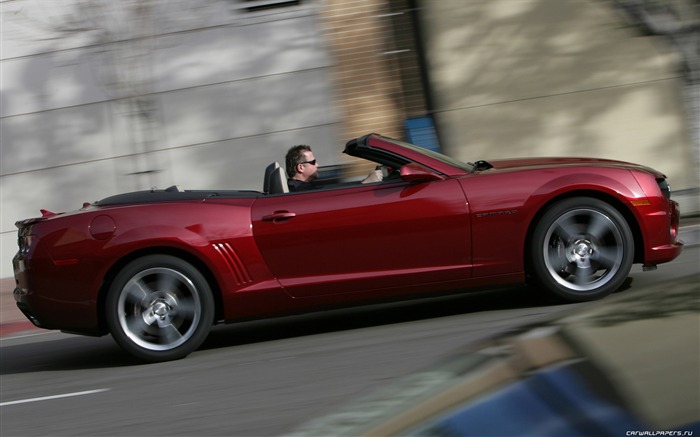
(417, 173)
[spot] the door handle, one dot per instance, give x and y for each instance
(278, 216)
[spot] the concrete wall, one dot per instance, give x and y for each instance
(227, 94)
(515, 78)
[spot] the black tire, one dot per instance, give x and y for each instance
(159, 308)
(582, 249)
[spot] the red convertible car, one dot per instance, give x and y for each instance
(156, 269)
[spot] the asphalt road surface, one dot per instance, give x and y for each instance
(259, 378)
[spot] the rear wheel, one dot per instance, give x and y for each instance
(159, 308)
(582, 249)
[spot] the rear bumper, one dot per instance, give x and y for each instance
(48, 306)
(25, 309)
(22, 294)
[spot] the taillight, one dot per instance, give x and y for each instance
(25, 239)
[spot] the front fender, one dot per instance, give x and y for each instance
(619, 184)
(504, 205)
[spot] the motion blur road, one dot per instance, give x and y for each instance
(259, 378)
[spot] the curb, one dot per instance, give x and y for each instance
(16, 329)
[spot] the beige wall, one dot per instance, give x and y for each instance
(516, 78)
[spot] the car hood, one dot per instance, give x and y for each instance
(518, 164)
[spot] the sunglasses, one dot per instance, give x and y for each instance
(309, 162)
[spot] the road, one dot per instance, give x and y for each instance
(258, 378)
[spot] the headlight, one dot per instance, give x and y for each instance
(664, 187)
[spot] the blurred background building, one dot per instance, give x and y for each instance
(101, 97)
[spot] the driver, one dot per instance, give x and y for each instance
(302, 169)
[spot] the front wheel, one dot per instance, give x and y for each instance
(582, 249)
(159, 308)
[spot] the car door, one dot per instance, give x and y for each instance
(366, 237)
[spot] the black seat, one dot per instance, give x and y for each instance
(268, 173)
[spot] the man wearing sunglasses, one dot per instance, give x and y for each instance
(302, 168)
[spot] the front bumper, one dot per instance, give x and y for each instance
(663, 235)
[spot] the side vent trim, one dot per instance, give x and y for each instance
(234, 263)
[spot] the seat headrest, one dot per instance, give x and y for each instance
(268, 173)
(278, 181)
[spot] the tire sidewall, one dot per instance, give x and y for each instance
(134, 268)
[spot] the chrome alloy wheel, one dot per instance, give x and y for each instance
(159, 309)
(583, 249)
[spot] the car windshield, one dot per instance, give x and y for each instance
(434, 155)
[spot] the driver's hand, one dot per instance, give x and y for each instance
(374, 176)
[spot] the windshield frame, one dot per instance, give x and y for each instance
(468, 167)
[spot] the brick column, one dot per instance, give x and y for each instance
(365, 74)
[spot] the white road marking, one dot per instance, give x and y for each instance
(47, 398)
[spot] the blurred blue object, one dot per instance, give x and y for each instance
(421, 132)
